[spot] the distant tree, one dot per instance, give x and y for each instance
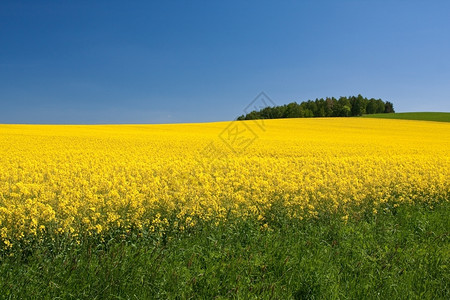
(388, 107)
(328, 107)
(343, 108)
(379, 106)
(357, 105)
(293, 110)
(308, 113)
(371, 106)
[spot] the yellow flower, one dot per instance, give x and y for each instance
(92, 179)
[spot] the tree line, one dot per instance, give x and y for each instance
(328, 107)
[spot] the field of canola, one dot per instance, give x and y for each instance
(92, 179)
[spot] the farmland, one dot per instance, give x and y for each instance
(292, 208)
(425, 116)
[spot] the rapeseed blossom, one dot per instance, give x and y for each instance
(90, 179)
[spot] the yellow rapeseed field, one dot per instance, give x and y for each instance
(76, 180)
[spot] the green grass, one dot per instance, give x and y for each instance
(425, 116)
(398, 253)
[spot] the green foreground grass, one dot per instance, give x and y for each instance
(425, 116)
(397, 253)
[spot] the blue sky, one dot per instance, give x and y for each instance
(200, 61)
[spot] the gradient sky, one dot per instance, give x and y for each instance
(199, 61)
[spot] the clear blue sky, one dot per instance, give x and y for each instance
(197, 61)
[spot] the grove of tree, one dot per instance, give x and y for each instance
(328, 107)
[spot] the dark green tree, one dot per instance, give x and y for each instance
(328, 107)
(389, 107)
